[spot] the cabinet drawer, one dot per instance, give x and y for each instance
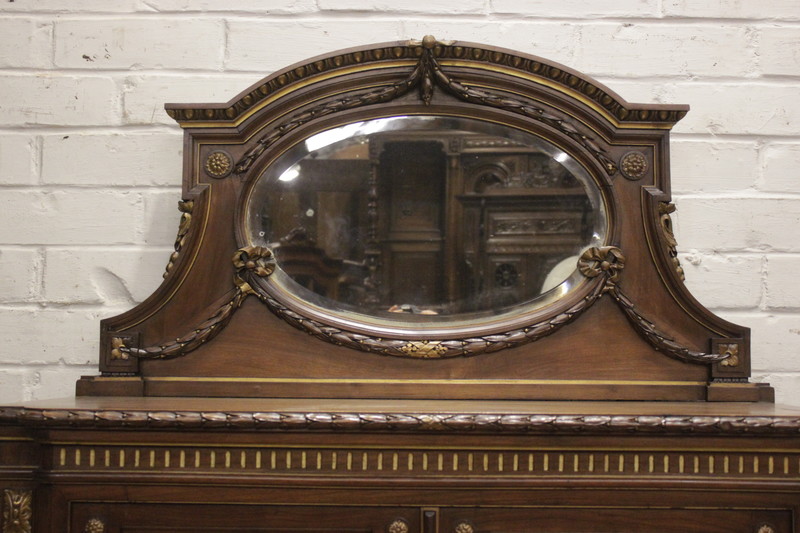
(198, 518)
(589, 520)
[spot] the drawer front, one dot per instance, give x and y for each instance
(199, 518)
(598, 520)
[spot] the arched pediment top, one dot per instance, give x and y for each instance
(411, 55)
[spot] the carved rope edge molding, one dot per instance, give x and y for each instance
(426, 74)
(254, 262)
(422, 422)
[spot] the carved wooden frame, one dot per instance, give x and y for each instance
(624, 146)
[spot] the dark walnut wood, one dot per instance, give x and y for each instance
(164, 464)
(418, 374)
(448, 221)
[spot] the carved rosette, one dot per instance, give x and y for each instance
(219, 164)
(17, 511)
(634, 165)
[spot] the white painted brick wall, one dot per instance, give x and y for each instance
(90, 163)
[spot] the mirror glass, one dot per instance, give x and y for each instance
(426, 219)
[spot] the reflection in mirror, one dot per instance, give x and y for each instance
(444, 218)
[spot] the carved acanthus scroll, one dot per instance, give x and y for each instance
(17, 511)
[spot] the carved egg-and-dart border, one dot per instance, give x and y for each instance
(443, 51)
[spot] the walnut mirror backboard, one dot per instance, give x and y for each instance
(425, 220)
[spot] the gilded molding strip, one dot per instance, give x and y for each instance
(17, 511)
(451, 462)
(426, 75)
(532, 424)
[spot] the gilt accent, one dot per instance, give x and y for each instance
(17, 511)
(444, 51)
(464, 527)
(398, 526)
(609, 260)
(219, 164)
(117, 349)
(432, 349)
(424, 349)
(94, 525)
(634, 165)
(251, 259)
(731, 352)
(185, 207)
(664, 210)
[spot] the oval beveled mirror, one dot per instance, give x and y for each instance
(426, 219)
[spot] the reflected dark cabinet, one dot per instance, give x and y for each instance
(416, 287)
(413, 178)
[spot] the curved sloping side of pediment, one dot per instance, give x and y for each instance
(575, 85)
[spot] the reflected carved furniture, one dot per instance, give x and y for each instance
(421, 286)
